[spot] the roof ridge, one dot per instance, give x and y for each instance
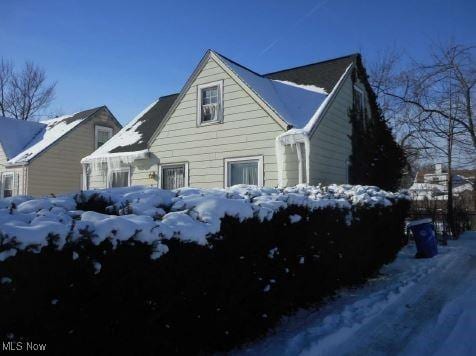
(311, 64)
(166, 96)
(238, 64)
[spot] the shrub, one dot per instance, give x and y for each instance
(107, 298)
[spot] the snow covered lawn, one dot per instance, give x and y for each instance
(415, 307)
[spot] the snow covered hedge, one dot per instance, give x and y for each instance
(184, 271)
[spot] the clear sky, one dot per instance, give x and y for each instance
(125, 54)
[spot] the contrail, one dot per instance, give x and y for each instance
(298, 21)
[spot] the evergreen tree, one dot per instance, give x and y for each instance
(376, 158)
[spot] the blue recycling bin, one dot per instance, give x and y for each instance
(425, 238)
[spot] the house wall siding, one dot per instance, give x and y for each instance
(330, 144)
(247, 130)
(58, 169)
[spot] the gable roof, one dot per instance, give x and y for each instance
(49, 132)
(16, 134)
(136, 134)
(295, 101)
(325, 74)
(295, 96)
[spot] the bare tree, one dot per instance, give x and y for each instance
(431, 106)
(6, 72)
(25, 93)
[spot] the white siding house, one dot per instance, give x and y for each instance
(230, 125)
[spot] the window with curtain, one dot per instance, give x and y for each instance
(120, 178)
(7, 185)
(173, 177)
(210, 103)
(243, 172)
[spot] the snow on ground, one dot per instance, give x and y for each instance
(152, 215)
(414, 307)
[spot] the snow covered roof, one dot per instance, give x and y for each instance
(16, 134)
(325, 74)
(297, 95)
(135, 135)
(295, 103)
(35, 137)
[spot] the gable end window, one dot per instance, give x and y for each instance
(244, 170)
(210, 103)
(101, 135)
(359, 102)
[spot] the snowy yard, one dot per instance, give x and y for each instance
(414, 307)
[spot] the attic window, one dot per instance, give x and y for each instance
(210, 103)
(359, 100)
(102, 135)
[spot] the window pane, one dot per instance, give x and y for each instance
(173, 177)
(210, 97)
(7, 186)
(244, 173)
(102, 137)
(120, 179)
(358, 100)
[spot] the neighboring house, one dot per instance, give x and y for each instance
(231, 125)
(41, 158)
(433, 185)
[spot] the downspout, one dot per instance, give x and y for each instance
(307, 148)
(279, 148)
(299, 156)
(306, 158)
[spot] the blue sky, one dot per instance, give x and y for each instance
(125, 54)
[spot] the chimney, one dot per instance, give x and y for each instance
(438, 168)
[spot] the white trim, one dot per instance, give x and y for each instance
(86, 168)
(241, 159)
(300, 165)
(111, 171)
(5, 174)
(171, 165)
(98, 128)
(219, 84)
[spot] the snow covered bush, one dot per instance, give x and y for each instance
(185, 271)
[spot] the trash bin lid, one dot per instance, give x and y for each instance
(419, 222)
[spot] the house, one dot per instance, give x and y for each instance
(41, 158)
(433, 184)
(231, 125)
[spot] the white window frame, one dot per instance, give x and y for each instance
(170, 165)
(5, 174)
(362, 97)
(227, 166)
(98, 128)
(200, 87)
(125, 169)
